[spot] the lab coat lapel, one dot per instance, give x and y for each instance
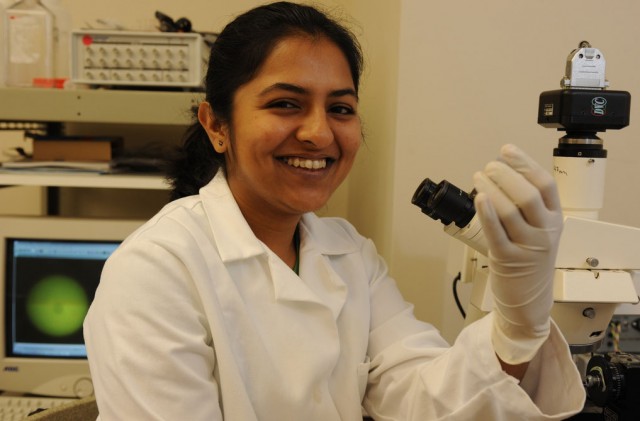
(318, 281)
(287, 285)
(320, 244)
(317, 273)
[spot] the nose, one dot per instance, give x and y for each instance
(316, 129)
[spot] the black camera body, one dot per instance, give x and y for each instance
(584, 110)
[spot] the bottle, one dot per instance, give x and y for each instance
(61, 41)
(29, 46)
(3, 43)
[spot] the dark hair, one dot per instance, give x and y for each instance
(236, 56)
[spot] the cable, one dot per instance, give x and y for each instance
(615, 328)
(455, 294)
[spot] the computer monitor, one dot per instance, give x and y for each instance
(49, 270)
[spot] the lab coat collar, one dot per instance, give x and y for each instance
(320, 242)
(235, 241)
(227, 221)
(327, 241)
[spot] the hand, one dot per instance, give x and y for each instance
(519, 209)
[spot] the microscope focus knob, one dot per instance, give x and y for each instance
(605, 381)
(593, 262)
(589, 313)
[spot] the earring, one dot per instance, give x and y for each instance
(220, 143)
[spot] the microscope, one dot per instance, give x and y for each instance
(597, 262)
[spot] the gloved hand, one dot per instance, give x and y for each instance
(519, 209)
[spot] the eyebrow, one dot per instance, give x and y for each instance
(302, 91)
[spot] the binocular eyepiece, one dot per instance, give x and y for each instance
(445, 202)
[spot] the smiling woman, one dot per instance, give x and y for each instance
(294, 132)
(236, 302)
(249, 44)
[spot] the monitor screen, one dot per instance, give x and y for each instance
(51, 268)
(50, 284)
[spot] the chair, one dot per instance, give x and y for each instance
(84, 409)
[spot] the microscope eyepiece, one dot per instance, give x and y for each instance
(445, 202)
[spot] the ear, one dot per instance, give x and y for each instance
(216, 130)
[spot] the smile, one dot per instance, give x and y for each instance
(310, 164)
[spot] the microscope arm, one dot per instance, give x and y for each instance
(593, 277)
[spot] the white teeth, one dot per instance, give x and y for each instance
(310, 164)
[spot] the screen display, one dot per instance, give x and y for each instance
(50, 285)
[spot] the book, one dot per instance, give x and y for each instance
(75, 148)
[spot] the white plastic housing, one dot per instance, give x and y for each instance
(137, 58)
(580, 185)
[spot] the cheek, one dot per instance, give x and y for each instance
(261, 134)
(351, 144)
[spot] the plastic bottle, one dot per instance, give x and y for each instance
(30, 44)
(61, 41)
(3, 43)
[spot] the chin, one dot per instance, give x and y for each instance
(310, 205)
(303, 200)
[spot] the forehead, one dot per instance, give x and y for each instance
(304, 59)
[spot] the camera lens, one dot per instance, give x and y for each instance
(444, 202)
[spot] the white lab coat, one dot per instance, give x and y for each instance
(196, 319)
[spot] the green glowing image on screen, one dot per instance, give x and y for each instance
(57, 305)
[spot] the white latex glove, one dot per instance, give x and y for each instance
(519, 209)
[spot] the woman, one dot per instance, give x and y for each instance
(236, 302)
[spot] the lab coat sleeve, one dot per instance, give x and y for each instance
(150, 350)
(415, 375)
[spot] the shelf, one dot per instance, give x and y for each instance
(97, 106)
(112, 181)
(104, 106)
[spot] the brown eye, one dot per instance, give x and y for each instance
(282, 104)
(342, 109)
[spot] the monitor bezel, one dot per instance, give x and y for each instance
(61, 377)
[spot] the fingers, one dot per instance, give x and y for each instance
(491, 225)
(532, 172)
(516, 184)
(500, 213)
(512, 193)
